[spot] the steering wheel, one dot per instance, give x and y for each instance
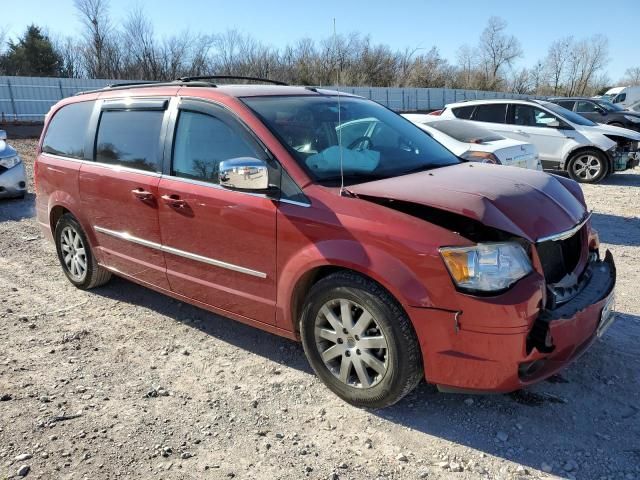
(361, 141)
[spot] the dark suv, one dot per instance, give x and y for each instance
(601, 111)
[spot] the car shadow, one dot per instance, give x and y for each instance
(622, 179)
(617, 230)
(500, 425)
(18, 208)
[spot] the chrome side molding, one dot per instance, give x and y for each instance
(181, 253)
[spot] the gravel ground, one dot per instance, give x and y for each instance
(122, 382)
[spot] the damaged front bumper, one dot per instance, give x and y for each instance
(13, 182)
(625, 160)
(460, 355)
(561, 335)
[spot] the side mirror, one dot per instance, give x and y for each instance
(3, 135)
(244, 174)
(602, 111)
(553, 124)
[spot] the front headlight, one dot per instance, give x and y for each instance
(486, 267)
(9, 162)
(632, 119)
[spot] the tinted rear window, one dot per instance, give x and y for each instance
(568, 104)
(493, 113)
(463, 112)
(66, 134)
(464, 131)
(130, 138)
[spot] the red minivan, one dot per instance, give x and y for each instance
(328, 218)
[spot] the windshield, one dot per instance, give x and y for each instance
(464, 132)
(569, 115)
(370, 141)
(609, 107)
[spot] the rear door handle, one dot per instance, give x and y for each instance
(142, 194)
(173, 201)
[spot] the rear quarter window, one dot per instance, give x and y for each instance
(67, 131)
(463, 112)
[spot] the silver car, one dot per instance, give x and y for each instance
(12, 177)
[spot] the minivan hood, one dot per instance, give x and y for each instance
(525, 203)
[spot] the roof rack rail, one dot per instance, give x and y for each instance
(231, 77)
(127, 85)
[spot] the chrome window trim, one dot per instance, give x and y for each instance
(566, 234)
(181, 253)
(293, 202)
(110, 166)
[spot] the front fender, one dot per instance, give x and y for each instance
(371, 261)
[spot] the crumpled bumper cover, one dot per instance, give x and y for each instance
(464, 360)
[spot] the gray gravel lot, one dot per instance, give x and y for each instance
(122, 382)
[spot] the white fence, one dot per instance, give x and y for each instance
(28, 99)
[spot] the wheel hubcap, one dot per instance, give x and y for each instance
(351, 343)
(587, 167)
(73, 253)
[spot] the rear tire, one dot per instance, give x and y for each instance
(588, 166)
(75, 255)
(359, 341)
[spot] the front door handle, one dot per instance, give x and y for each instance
(521, 132)
(174, 201)
(142, 194)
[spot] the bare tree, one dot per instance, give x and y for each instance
(556, 62)
(631, 76)
(521, 81)
(98, 29)
(497, 51)
(71, 54)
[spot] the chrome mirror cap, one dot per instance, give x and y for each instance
(247, 174)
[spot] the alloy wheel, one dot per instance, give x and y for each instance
(587, 167)
(73, 253)
(351, 344)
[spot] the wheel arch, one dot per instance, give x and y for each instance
(387, 271)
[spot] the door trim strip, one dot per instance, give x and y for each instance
(181, 253)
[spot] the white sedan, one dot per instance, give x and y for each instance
(475, 143)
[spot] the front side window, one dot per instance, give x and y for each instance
(130, 138)
(66, 134)
(620, 98)
(529, 116)
(310, 126)
(586, 107)
(492, 113)
(202, 141)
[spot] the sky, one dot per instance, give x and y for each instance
(399, 24)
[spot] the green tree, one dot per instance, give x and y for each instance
(32, 55)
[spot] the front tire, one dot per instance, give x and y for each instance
(587, 166)
(359, 341)
(75, 255)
